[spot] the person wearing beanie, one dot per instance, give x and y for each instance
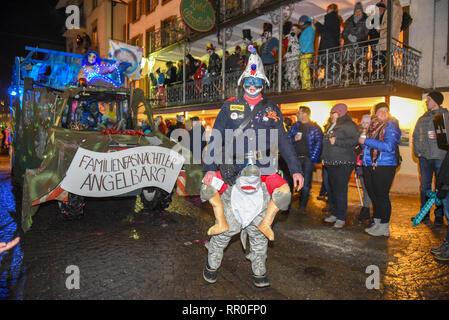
(339, 158)
(306, 48)
(355, 29)
(380, 160)
(366, 205)
(425, 148)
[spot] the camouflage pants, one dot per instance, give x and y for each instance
(257, 240)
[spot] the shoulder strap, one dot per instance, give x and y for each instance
(251, 116)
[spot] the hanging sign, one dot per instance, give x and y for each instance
(102, 174)
(199, 15)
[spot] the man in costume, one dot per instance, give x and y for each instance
(252, 191)
(270, 45)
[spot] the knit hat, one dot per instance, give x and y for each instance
(358, 6)
(437, 97)
(381, 105)
(303, 19)
(340, 108)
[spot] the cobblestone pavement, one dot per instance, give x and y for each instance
(122, 255)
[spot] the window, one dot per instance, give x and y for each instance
(150, 5)
(150, 38)
(94, 4)
(94, 36)
(137, 41)
(167, 31)
(134, 10)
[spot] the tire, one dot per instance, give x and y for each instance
(155, 199)
(73, 209)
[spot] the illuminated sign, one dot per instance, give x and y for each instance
(199, 15)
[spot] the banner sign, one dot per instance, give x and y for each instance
(198, 14)
(100, 174)
(123, 52)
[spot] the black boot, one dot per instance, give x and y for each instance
(209, 274)
(364, 214)
(261, 281)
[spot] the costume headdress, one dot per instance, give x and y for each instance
(210, 46)
(254, 68)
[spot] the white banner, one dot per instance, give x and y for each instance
(123, 52)
(99, 174)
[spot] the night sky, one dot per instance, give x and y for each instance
(27, 23)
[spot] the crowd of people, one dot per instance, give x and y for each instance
(298, 49)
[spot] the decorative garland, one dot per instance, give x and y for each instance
(136, 133)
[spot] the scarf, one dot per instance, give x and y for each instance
(376, 131)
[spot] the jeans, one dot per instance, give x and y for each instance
(427, 168)
(325, 187)
(446, 213)
(378, 182)
(307, 170)
(338, 181)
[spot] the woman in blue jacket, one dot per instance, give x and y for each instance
(380, 160)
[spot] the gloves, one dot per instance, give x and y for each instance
(228, 173)
(441, 194)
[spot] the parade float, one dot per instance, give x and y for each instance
(76, 137)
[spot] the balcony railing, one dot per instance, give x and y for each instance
(164, 37)
(361, 64)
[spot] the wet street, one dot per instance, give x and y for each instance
(123, 255)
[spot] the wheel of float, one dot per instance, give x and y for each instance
(73, 209)
(156, 199)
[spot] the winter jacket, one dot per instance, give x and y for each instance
(355, 31)
(314, 138)
(422, 145)
(387, 148)
(307, 39)
(330, 31)
(343, 151)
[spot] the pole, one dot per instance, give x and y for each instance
(389, 38)
(280, 53)
(184, 65)
(223, 65)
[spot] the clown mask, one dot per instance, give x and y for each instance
(252, 86)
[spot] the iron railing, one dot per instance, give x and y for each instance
(360, 64)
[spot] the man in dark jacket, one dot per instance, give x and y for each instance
(171, 73)
(255, 148)
(307, 138)
(425, 148)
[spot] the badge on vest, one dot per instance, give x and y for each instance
(234, 115)
(237, 107)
